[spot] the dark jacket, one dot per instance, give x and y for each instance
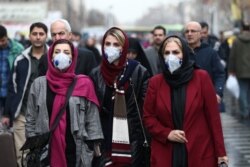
(96, 53)
(85, 62)
(239, 59)
(18, 82)
(139, 79)
(208, 59)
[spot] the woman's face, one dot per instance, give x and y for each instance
(174, 49)
(62, 56)
(131, 54)
(112, 41)
(62, 48)
(113, 49)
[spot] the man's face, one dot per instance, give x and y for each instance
(38, 37)
(58, 31)
(193, 34)
(204, 33)
(76, 38)
(3, 42)
(158, 36)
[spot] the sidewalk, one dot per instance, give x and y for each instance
(236, 134)
(237, 141)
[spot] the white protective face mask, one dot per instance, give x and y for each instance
(75, 43)
(172, 62)
(112, 53)
(62, 61)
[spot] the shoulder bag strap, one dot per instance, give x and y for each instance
(139, 114)
(58, 117)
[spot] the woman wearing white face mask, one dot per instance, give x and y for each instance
(181, 113)
(113, 79)
(73, 139)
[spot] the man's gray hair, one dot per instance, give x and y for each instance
(65, 22)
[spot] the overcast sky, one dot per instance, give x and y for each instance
(126, 11)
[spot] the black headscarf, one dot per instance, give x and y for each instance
(135, 46)
(178, 81)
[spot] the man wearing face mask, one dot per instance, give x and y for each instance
(90, 43)
(60, 29)
(76, 39)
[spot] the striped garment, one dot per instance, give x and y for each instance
(4, 71)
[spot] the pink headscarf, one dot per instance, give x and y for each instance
(59, 83)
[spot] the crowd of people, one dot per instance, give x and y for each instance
(170, 94)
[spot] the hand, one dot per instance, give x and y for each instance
(223, 159)
(5, 121)
(177, 136)
(218, 98)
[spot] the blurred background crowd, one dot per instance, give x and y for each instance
(223, 16)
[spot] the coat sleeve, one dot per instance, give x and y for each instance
(212, 114)
(219, 74)
(155, 128)
(8, 110)
(32, 111)
(92, 122)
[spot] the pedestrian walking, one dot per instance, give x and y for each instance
(120, 84)
(239, 66)
(181, 113)
(79, 129)
(9, 50)
(205, 57)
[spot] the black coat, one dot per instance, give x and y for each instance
(85, 62)
(139, 79)
(208, 59)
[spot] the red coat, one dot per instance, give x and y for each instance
(202, 124)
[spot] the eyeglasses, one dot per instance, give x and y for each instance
(191, 31)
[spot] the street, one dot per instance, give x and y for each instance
(237, 141)
(236, 134)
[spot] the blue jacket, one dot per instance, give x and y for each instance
(208, 59)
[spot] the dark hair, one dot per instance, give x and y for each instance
(39, 25)
(64, 41)
(159, 28)
(76, 33)
(245, 26)
(3, 31)
(204, 24)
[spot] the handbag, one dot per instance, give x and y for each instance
(146, 145)
(37, 147)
